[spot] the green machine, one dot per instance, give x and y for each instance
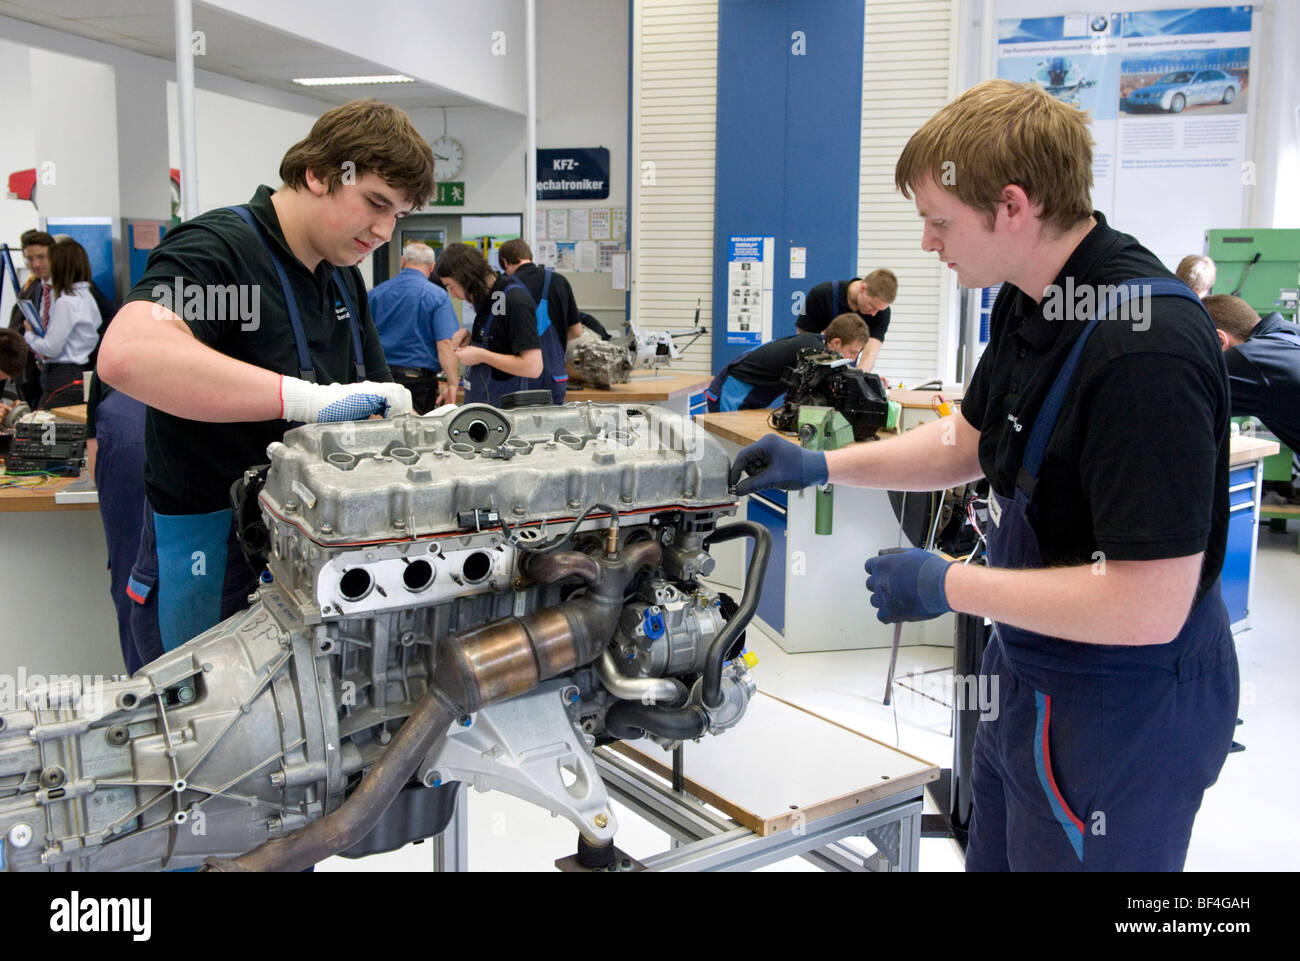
(825, 428)
(1262, 267)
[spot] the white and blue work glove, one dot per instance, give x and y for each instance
(907, 585)
(773, 462)
(307, 403)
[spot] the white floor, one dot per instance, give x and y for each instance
(1242, 825)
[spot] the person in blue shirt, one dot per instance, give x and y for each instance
(416, 323)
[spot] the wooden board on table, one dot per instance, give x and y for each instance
(644, 389)
(922, 399)
(1243, 449)
(783, 765)
(73, 412)
(41, 498)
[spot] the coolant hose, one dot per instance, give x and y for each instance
(628, 720)
(711, 689)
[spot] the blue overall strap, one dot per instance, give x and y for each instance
(1045, 422)
(358, 358)
(305, 370)
(543, 308)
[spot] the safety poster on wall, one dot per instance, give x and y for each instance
(750, 272)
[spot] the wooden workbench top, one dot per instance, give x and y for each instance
(41, 498)
(922, 399)
(1242, 449)
(644, 387)
(746, 427)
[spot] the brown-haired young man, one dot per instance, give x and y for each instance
(868, 297)
(1263, 358)
(756, 378)
(206, 340)
(517, 261)
(1112, 667)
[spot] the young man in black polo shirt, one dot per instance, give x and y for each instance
(1112, 665)
(517, 261)
(207, 341)
(756, 379)
(868, 297)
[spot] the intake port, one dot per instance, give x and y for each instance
(476, 568)
(403, 455)
(417, 576)
(478, 431)
(355, 584)
(341, 460)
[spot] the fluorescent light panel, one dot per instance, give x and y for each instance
(351, 81)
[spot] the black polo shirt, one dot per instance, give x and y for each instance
(191, 464)
(563, 311)
(1264, 377)
(766, 366)
(1137, 467)
(818, 311)
(513, 332)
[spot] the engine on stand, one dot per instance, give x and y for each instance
(478, 596)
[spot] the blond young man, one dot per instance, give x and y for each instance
(207, 341)
(1198, 272)
(869, 297)
(1112, 659)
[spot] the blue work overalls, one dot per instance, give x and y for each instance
(119, 429)
(487, 388)
(190, 572)
(1097, 756)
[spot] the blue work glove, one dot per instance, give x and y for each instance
(907, 585)
(773, 462)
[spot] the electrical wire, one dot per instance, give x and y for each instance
(558, 542)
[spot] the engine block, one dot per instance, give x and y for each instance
(394, 547)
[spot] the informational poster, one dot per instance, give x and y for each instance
(618, 268)
(1168, 93)
(750, 271)
(600, 225)
(541, 225)
(608, 249)
(579, 223)
(557, 223)
(798, 263)
(618, 223)
(545, 255)
(565, 255)
(585, 256)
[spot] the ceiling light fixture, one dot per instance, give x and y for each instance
(351, 81)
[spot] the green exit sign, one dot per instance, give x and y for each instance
(450, 193)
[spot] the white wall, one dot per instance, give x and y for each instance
(240, 144)
(449, 43)
(18, 145)
(75, 107)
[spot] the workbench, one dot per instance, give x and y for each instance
(814, 597)
(810, 576)
(681, 393)
(1246, 456)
